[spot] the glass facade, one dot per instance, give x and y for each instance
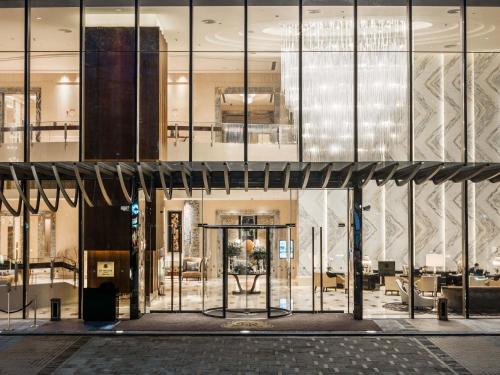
(257, 81)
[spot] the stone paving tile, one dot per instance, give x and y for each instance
(480, 355)
(256, 355)
(31, 354)
(248, 355)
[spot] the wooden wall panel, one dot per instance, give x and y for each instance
(109, 130)
(110, 101)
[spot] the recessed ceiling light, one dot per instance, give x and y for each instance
(208, 21)
(38, 18)
(313, 11)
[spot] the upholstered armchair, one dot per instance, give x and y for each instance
(328, 282)
(390, 284)
(191, 268)
(427, 284)
(419, 300)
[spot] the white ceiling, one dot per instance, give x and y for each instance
(218, 32)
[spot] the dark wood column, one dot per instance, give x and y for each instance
(110, 133)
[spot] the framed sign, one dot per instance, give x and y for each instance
(283, 252)
(175, 231)
(283, 249)
(105, 269)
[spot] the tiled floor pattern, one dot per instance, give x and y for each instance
(374, 302)
(249, 355)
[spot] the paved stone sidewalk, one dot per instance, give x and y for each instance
(243, 355)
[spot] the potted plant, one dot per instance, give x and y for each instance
(259, 254)
(233, 251)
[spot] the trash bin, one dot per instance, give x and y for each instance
(442, 309)
(55, 309)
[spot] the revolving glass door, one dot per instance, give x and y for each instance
(247, 271)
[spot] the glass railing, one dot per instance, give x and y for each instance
(212, 132)
(43, 132)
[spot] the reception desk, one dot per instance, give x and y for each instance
(482, 299)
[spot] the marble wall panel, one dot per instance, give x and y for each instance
(484, 107)
(484, 224)
(336, 256)
(396, 224)
(437, 106)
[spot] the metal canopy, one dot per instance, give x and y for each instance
(170, 176)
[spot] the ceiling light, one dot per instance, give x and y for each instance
(66, 31)
(313, 11)
(208, 21)
(453, 11)
(38, 18)
(118, 9)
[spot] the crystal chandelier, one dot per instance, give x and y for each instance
(327, 91)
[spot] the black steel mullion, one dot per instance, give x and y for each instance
(137, 62)
(224, 272)
(171, 269)
(465, 157)
(245, 84)
(26, 149)
(312, 271)
(27, 84)
(301, 157)
(81, 244)
(411, 186)
(321, 267)
(268, 273)
(180, 273)
(355, 79)
(81, 87)
(190, 105)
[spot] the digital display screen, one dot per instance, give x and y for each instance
(284, 250)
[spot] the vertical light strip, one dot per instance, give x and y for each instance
(472, 145)
(325, 226)
(384, 251)
(443, 156)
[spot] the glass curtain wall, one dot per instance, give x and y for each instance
(55, 81)
(438, 135)
(164, 81)
(249, 58)
(53, 256)
(483, 104)
(272, 91)
(218, 60)
(383, 135)
(12, 115)
(12, 101)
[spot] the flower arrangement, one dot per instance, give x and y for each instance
(259, 254)
(233, 249)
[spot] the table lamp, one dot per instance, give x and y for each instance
(434, 260)
(496, 263)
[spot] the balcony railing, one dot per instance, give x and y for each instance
(211, 132)
(177, 132)
(44, 132)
